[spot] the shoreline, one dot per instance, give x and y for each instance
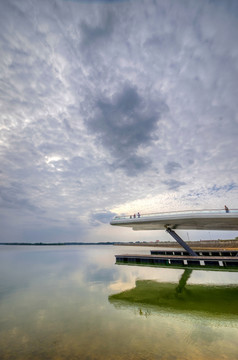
(207, 244)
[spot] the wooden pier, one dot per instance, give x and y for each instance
(200, 252)
(185, 261)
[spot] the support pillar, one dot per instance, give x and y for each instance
(183, 281)
(180, 241)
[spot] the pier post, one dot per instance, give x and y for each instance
(180, 241)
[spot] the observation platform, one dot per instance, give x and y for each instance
(182, 220)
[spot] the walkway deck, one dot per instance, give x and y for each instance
(184, 220)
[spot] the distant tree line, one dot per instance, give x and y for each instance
(59, 243)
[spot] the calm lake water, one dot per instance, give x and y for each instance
(69, 302)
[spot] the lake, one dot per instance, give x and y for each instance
(74, 302)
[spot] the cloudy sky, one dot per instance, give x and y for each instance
(111, 107)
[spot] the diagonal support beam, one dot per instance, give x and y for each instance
(180, 241)
(183, 281)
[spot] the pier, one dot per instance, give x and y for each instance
(198, 252)
(194, 220)
(184, 261)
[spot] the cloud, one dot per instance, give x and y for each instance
(171, 167)
(124, 123)
(98, 218)
(174, 184)
(13, 197)
(96, 1)
(92, 34)
(120, 105)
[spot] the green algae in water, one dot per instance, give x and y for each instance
(215, 300)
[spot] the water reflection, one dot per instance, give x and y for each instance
(212, 300)
(54, 305)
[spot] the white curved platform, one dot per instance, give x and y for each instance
(184, 220)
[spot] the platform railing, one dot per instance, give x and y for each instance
(185, 212)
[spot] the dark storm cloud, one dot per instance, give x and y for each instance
(174, 184)
(94, 33)
(104, 217)
(132, 164)
(13, 197)
(171, 166)
(124, 123)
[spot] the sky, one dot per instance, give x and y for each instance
(115, 107)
